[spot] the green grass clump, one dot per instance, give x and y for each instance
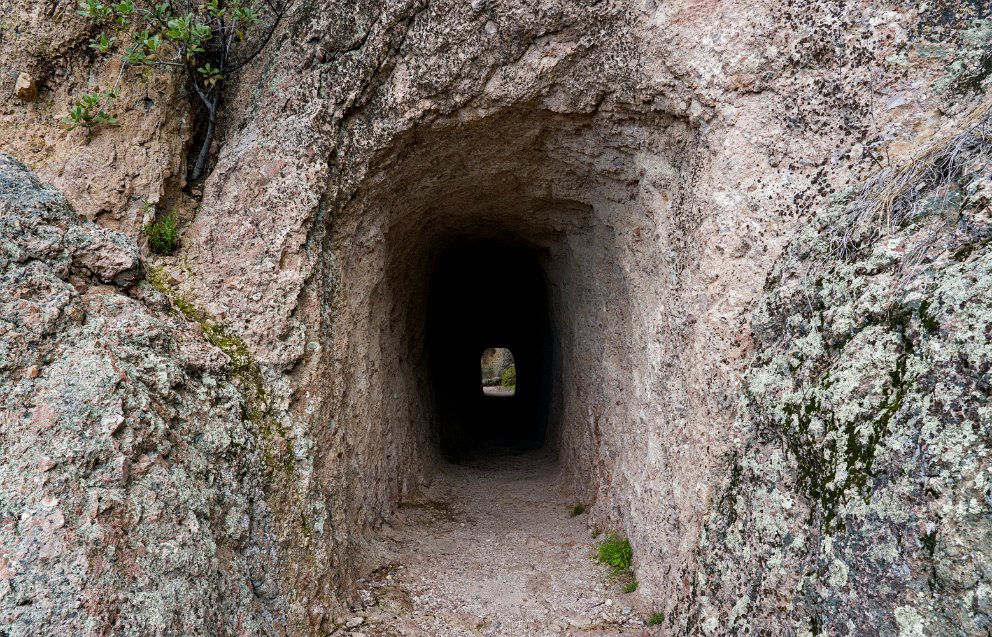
(656, 618)
(615, 552)
(163, 235)
(578, 509)
(630, 586)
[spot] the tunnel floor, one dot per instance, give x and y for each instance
(491, 550)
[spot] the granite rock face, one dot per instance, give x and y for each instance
(227, 432)
(132, 482)
(860, 494)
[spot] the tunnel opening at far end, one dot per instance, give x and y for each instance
(498, 372)
(487, 294)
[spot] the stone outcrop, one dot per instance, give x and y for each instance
(859, 495)
(132, 478)
(657, 158)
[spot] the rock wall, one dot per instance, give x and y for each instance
(109, 178)
(860, 493)
(133, 476)
(658, 158)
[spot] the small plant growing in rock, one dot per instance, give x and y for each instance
(163, 235)
(578, 509)
(615, 552)
(655, 619)
(206, 40)
(89, 111)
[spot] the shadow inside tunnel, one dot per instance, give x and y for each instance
(484, 294)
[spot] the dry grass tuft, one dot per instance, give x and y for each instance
(897, 195)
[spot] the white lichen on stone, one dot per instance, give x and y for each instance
(909, 621)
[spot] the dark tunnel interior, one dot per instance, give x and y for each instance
(490, 293)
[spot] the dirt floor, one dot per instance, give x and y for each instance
(497, 390)
(492, 550)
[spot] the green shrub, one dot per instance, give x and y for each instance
(89, 111)
(509, 377)
(615, 552)
(206, 41)
(630, 586)
(163, 235)
(656, 618)
(578, 509)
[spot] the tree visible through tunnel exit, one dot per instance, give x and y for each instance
(499, 372)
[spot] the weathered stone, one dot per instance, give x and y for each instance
(25, 88)
(858, 493)
(108, 178)
(118, 472)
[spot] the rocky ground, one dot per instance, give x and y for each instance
(492, 550)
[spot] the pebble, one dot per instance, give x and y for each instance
(355, 622)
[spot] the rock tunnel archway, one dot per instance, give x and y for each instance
(588, 210)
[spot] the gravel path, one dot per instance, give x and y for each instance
(497, 390)
(492, 551)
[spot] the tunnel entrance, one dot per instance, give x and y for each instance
(563, 237)
(486, 294)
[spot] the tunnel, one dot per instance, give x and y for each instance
(445, 251)
(524, 229)
(488, 293)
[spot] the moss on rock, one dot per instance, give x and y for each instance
(245, 373)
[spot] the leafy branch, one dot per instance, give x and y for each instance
(90, 110)
(207, 40)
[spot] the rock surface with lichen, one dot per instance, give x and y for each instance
(132, 496)
(860, 492)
